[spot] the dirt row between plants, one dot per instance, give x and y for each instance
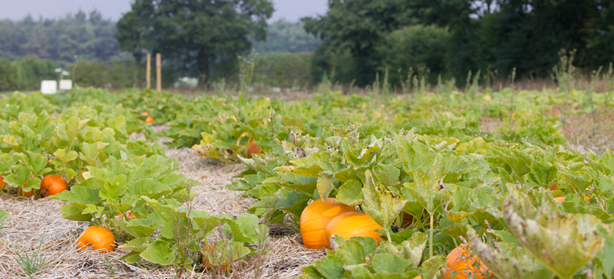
(37, 222)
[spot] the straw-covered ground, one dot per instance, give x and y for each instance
(35, 223)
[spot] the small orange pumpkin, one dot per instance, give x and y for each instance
(145, 114)
(463, 263)
(52, 184)
(129, 213)
(559, 199)
(120, 105)
(253, 148)
(2, 186)
(352, 224)
(99, 238)
(149, 120)
(21, 193)
(316, 217)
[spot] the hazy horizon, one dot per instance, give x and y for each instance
(291, 10)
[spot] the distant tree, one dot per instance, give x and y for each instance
(285, 36)
(358, 26)
(79, 35)
(193, 35)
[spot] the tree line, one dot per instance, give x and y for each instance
(451, 38)
(358, 41)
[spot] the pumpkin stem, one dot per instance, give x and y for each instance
(431, 237)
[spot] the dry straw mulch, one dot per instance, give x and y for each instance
(35, 220)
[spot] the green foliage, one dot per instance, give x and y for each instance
(286, 37)
(285, 70)
(8, 76)
(30, 71)
(410, 48)
(112, 74)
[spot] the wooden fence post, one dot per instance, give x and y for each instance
(159, 71)
(148, 72)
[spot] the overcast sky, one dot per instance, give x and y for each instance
(291, 10)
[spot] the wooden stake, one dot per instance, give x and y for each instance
(159, 71)
(148, 72)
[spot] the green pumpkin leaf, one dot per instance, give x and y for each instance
(413, 248)
(385, 262)
(350, 193)
(508, 261)
(160, 253)
(330, 267)
(325, 185)
(563, 243)
(380, 204)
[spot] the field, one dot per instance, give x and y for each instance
(207, 186)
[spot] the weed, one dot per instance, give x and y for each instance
(30, 263)
(246, 70)
(184, 236)
(473, 86)
(565, 72)
(609, 85)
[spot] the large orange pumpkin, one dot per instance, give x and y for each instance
(461, 262)
(316, 217)
(98, 238)
(52, 184)
(253, 148)
(352, 224)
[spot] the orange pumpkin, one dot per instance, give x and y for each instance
(130, 215)
(21, 193)
(559, 199)
(253, 148)
(120, 105)
(316, 217)
(149, 120)
(352, 224)
(98, 238)
(145, 114)
(52, 184)
(2, 186)
(461, 261)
